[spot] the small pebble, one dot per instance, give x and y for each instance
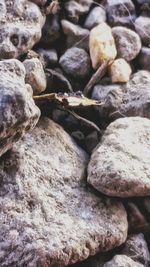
(120, 71)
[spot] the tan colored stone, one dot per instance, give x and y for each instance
(102, 45)
(120, 71)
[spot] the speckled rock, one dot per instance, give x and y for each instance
(48, 215)
(120, 165)
(120, 71)
(122, 261)
(75, 62)
(144, 58)
(35, 75)
(20, 27)
(18, 112)
(128, 43)
(95, 17)
(142, 25)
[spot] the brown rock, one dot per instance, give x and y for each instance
(120, 71)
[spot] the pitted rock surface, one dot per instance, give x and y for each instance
(120, 165)
(48, 215)
(20, 27)
(18, 112)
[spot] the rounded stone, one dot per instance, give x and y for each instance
(120, 71)
(142, 26)
(95, 17)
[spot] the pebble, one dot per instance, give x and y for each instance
(122, 261)
(128, 43)
(120, 71)
(102, 45)
(48, 57)
(95, 17)
(51, 30)
(142, 26)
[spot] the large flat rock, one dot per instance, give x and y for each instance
(120, 165)
(48, 216)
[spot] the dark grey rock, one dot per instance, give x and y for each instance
(48, 57)
(75, 62)
(142, 26)
(91, 141)
(18, 112)
(51, 30)
(95, 17)
(144, 58)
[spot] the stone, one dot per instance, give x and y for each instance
(121, 13)
(75, 62)
(102, 45)
(120, 71)
(120, 164)
(48, 57)
(136, 248)
(144, 58)
(142, 26)
(95, 17)
(39, 2)
(128, 43)
(48, 216)
(77, 8)
(51, 30)
(35, 75)
(145, 9)
(20, 27)
(91, 141)
(130, 99)
(75, 35)
(122, 261)
(18, 113)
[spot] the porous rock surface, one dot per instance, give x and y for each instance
(20, 27)
(120, 165)
(48, 215)
(18, 113)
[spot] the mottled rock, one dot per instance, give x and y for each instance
(18, 112)
(121, 12)
(48, 215)
(120, 71)
(20, 27)
(131, 99)
(122, 261)
(142, 25)
(51, 30)
(128, 43)
(102, 45)
(136, 248)
(95, 17)
(76, 8)
(144, 58)
(48, 57)
(75, 62)
(35, 75)
(120, 165)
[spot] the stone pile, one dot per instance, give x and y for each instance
(81, 197)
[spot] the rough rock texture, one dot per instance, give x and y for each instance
(122, 261)
(128, 43)
(142, 25)
(136, 248)
(131, 99)
(35, 75)
(20, 27)
(48, 215)
(120, 165)
(120, 71)
(18, 112)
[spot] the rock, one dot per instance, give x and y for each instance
(75, 35)
(128, 43)
(121, 13)
(35, 75)
(18, 112)
(136, 248)
(144, 58)
(120, 71)
(142, 26)
(48, 215)
(39, 2)
(102, 45)
(76, 8)
(120, 165)
(48, 57)
(51, 30)
(20, 27)
(75, 62)
(131, 99)
(122, 261)
(95, 17)
(145, 8)
(91, 141)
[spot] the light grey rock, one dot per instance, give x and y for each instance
(144, 58)
(120, 164)
(136, 248)
(48, 216)
(128, 43)
(95, 17)
(131, 99)
(20, 27)
(75, 62)
(48, 57)
(35, 75)
(75, 35)
(18, 112)
(142, 26)
(122, 261)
